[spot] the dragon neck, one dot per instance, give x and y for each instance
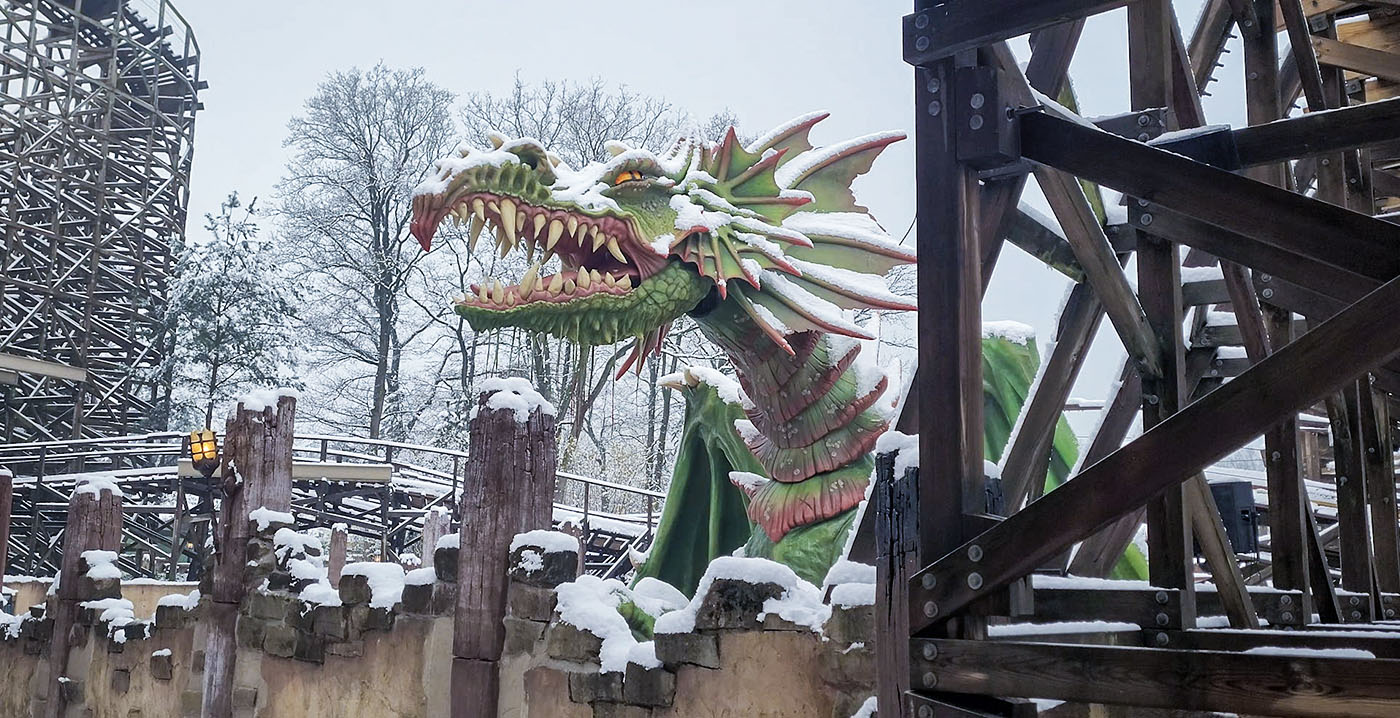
(813, 414)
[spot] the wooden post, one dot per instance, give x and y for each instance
(256, 473)
(7, 495)
(508, 489)
(340, 537)
(435, 525)
(895, 501)
(94, 524)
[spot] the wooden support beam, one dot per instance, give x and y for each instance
(1365, 60)
(1299, 37)
(949, 397)
(1383, 646)
(1316, 134)
(1349, 448)
(940, 31)
(1256, 211)
(1026, 460)
(1379, 465)
(1249, 684)
(7, 495)
(1103, 270)
(508, 489)
(1098, 554)
(335, 564)
(894, 501)
(1205, 431)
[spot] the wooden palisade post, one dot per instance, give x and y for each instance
(340, 538)
(436, 523)
(508, 489)
(7, 495)
(256, 473)
(94, 524)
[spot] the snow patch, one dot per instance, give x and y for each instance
(1310, 652)
(102, 564)
(188, 601)
(589, 603)
(95, 484)
(800, 602)
(515, 394)
(386, 581)
(161, 652)
(420, 577)
(265, 517)
(1014, 332)
(260, 399)
(550, 541)
(452, 541)
(867, 709)
(905, 448)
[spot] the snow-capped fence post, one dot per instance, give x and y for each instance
(436, 523)
(7, 495)
(895, 501)
(340, 539)
(256, 475)
(94, 524)
(508, 489)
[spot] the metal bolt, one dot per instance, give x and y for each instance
(934, 108)
(1390, 613)
(1163, 619)
(1276, 456)
(1356, 615)
(974, 581)
(1326, 162)
(1370, 449)
(934, 85)
(1161, 597)
(1248, 23)
(925, 712)
(1252, 75)
(977, 100)
(1356, 600)
(1266, 277)
(974, 553)
(921, 21)
(1342, 481)
(928, 581)
(930, 651)
(1142, 203)
(1287, 616)
(975, 122)
(1268, 293)
(1145, 219)
(930, 609)
(1285, 600)
(921, 44)
(1143, 120)
(1143, 137)
(1162, 640)
(1152, 399)
(930, 680)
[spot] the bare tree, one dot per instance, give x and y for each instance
(363, 141)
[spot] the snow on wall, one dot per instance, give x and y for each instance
(386, 581)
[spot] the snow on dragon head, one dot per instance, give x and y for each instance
(642, 239)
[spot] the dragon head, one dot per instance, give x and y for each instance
(642, 238)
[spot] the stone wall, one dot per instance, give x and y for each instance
(351, 660)
(142, 593)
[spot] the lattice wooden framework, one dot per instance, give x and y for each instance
(97, 107)
(1291, 211)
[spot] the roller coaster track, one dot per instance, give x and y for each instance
(380, 490)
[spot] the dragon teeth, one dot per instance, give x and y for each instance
(569, 286)
(625, 282)
(556, 283)
(508, 218)
(597, 237)
(572, 226)
(498, 291)
(479, 209)
(527, 282)
(539, 224)
(556, 228)
(609, 280)
(583, 279)
(595, 277)
(615, 250)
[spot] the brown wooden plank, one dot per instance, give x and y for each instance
(894, 503)
(1208, 429)
(949, 395)
(7, 495)
(1254, 210)
(1357, 58)
(1379, 466)
(1383, 645)
(1250, 684)
(950, 27)
(1296, 22)
(1349, 448)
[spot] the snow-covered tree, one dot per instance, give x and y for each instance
(229, 309)
(363, 140)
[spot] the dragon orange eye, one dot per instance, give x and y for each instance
(627, 177)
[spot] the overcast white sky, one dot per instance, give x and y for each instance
(767, 61)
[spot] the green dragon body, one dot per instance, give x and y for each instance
(764, 246)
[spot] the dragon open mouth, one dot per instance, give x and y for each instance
(598, 255)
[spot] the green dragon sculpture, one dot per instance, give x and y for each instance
(765, 247)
